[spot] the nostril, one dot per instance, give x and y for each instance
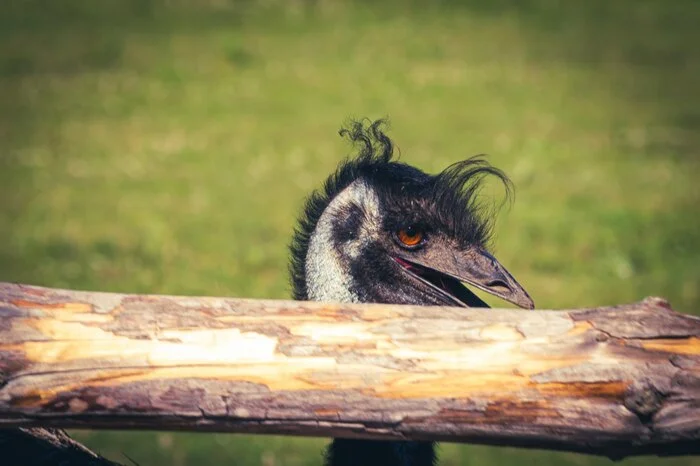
(498, 284)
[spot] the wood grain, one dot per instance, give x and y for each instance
(615, 381)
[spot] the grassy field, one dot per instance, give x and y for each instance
(166, 147)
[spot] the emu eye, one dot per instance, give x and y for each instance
(410, 236)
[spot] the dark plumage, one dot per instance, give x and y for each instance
(383, 231)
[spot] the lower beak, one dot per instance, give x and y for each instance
(481, 270)
(478, 268)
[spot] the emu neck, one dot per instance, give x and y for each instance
(328, 276)
(347, 452)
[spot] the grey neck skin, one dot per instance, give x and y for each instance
(328, 262)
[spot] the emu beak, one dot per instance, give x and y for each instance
(481, 270)
(475, 267)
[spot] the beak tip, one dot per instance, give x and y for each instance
(523, 300)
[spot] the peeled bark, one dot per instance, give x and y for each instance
(614, 381)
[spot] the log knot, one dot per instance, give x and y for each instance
(644, 398)
(656, 301)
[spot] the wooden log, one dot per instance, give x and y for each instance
(614, 381)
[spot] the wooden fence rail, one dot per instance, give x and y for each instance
(614, 381)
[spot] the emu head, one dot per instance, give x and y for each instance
(385, 232)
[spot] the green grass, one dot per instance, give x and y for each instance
(167, 149)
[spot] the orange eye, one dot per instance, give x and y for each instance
(410, 236)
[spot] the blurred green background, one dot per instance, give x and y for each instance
(166, 147)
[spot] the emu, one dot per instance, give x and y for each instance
(382, 231)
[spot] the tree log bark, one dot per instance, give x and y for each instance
(614, 381)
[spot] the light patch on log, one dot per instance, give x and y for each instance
(689, 346)
(583, 390)
(500, 332)
(335, 333)
(212, 347)
(69, 307)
